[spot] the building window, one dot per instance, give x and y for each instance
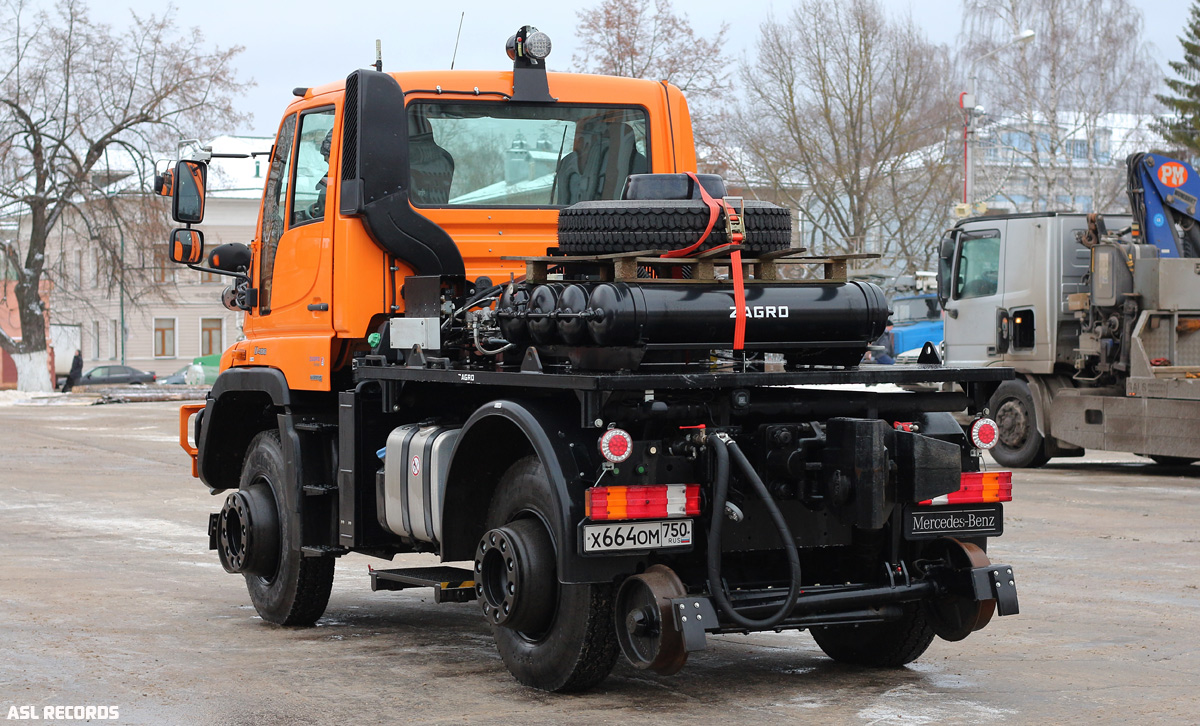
(116, 340)
(95, 340)
(162, 273)
(208, 277)
(211, 332)
(164, 337)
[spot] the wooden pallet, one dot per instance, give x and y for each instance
(623, 266)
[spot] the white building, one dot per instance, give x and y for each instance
(171, 314)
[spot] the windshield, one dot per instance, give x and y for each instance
(907, 310)
(508, 154)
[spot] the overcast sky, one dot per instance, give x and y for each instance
(303, 43)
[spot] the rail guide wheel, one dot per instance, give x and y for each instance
(646, 626)
(954, 615)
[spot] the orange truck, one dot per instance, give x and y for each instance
(498, 318)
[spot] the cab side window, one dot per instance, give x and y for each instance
(313, 144)
(978, 265)
(275, 210)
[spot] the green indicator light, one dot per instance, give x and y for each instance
(373, 340)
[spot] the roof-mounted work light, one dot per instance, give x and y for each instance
(530, 43)
(528, 48)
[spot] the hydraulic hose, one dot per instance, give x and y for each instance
(720, 492)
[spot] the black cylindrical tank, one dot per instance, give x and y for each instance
(511, 307)
(571, 328)
(847, 315)
(542, 303)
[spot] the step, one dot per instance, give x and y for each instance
(450, 584)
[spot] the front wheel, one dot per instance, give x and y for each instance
(1020, 444)
(551, 636)
(286, 587)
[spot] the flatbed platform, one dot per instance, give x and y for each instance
(697, 379)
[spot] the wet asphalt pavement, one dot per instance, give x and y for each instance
(110, 597)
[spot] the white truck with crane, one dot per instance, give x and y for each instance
(1100, 317)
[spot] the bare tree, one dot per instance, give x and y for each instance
(849, 121)
(77, 95)
(647, 39)
(1064, 111)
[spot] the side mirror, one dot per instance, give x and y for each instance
(187, 201)
(230, 257)
(945, 268)
(946, 251)
(187, 246)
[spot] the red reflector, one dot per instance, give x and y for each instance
(984, 433)
(643, 502)
(616, 445)
(979, 487)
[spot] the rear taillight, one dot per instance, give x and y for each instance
(979, 487)
(643, 502)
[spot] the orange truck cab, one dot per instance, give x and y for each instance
(497, 318)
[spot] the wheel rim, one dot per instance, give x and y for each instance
(248, 532)
(516, 578)
(1012, 419)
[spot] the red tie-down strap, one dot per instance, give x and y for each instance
(739, 287)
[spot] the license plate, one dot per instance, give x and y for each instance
(965, 520)
(637, 535)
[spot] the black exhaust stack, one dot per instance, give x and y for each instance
(375, 177)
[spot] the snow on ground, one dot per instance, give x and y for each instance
(13, 397)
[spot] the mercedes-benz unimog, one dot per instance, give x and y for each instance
(497, 317)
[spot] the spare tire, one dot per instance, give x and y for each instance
(605, 227)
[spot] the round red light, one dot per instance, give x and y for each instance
(616, 445)
(984, 434)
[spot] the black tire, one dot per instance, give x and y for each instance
(579, 647)
(1172, 460)
(879, 645)
(299, 590)
(1020, 445)
(607, 227)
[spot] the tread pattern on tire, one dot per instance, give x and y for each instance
(881, 645)
(600, 650)
(607, 227)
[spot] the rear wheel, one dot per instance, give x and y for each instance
(1020, 444)
(551, 636)
(286, 587)
(890, 644)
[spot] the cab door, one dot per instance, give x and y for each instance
(976, 321)
(292, 324)
(294, 276)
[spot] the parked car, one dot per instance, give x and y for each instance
(191, 375)
(116, 375)
(203, 370)
(916, 320)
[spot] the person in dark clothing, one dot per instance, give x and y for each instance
(76, 372)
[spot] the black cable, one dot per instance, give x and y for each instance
(720, 491)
